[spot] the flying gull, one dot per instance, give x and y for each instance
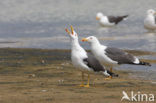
(109, 20)
(84, 61)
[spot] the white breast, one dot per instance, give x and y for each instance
(149, 23)
(77, 59)
(102, 57)
(105, 22)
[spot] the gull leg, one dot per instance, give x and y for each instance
(88, 81)
(111, 70)
(82, 81)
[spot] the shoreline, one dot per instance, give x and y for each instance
(134, 52)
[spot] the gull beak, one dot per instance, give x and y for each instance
(84, 39)
(72, 29)
(97, 18)
(67, 31)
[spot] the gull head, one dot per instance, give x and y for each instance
(73, 35)
(151, 12)
(99, 15)
(90, 39)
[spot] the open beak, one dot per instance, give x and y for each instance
(84, 39)
(72, 30)
(67, 31)
(97, 18)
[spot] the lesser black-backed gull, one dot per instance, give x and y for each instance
(109, 20)
(84, 61)
(110, 56)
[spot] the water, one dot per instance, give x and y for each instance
(41, 23)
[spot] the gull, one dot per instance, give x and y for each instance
(110, 56)
(150, 20)
(109, 20)
(84, 61)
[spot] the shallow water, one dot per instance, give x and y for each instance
(41, 24)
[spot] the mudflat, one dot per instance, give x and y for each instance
(47, 76)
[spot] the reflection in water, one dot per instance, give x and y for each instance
(151, 38)
(103, 30)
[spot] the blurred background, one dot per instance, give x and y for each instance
(41, 23)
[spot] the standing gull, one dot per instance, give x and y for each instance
(109, 20)
(150, 20)
(83, 60)
(110, 56)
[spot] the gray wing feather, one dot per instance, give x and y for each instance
(93, 63)
(116, 19)
(120, 56)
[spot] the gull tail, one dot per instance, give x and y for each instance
(125, 17)
(144, 63)
(120, 18)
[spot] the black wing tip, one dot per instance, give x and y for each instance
(149, 64)
(112, 74)
(125, 16)
(145, 63)
(115, 75)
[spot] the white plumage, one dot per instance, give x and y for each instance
(77, 52)
(150, 20)
(77, 56)
(103, 20)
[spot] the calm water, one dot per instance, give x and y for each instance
(41, 23)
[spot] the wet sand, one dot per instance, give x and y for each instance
(47, 76)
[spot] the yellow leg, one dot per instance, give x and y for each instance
(88, 81)
(82, 81)
(111, 70)
(110, 77)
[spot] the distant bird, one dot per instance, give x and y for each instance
(109, 20)
(110, 56)
(150, 20)
(84, 61)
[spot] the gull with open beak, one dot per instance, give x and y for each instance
(84, 61)
(110, 56)
(150, 20)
